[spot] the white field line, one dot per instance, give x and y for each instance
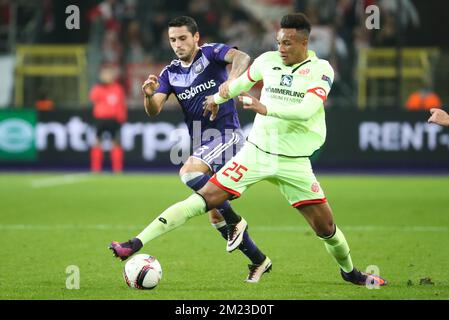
(56, 227)
(59, 180)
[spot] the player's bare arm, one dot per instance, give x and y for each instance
(240, 62)
(241, 84)
(439, 116)
(153, 102)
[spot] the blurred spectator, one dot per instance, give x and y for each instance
(5, 24)
(112, 12)
(424, 99)
(387, 35)
(345, 19)
(5, 12)
(237, 12)
(135, 51)
(325, 41)
(110, 112)
(326, 10)
(246, 35)
(132, 32)
(158, 26)
(158, 30)
(408, 14)
(205, 14)
(112, 48)
(393, 11)
(327, 44)
(361, 38)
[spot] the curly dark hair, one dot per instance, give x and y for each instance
(182, 21)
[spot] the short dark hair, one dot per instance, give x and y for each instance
(182, 21)
(298, 21)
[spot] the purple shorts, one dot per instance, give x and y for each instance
(219, 150)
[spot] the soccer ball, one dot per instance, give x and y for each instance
(142, 272)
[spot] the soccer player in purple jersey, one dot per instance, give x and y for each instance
(196, 74)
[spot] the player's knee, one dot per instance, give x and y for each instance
(182, 172)
(191, 179)
(326, 230)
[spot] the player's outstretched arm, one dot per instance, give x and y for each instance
(153, 102)
(240, 62)
(243, 83)
(439, 116)
(308, 107)
(210, 104)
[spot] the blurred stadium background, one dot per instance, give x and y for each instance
(386, 80)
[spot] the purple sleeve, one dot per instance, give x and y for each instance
(164, 83)
(216, 51)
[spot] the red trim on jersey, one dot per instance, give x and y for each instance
(320, 92)
(249, 76)
(222, 187)
(300, 203)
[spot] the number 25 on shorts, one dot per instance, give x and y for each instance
(235, 167)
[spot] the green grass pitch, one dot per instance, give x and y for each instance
(51, 221)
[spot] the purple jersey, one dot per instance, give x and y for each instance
(201, 79)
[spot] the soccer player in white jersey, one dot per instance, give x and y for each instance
(288, 128)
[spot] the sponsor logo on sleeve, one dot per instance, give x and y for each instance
(218, 48)
(327, 79)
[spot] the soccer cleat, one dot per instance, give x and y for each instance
(257, 270)
(124, 250)
(235, 234)
(362, 278)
